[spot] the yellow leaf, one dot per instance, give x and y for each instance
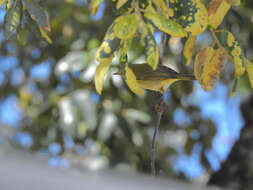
(188, 49)
(125, 26)
(203, 57)
(217, 9)
(132, 82)
(120, 3)
(249, 69)
(235, 2)
(44, 35)
(101, 70)
(161, 4)
(94, 6)
(236, 52)
(2, 2)
(195, 17)
(9, 4)
(212, 69)
(166, 25)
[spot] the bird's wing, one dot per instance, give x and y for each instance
(145, 72)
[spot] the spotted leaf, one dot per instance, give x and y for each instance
(195, 16)
(152, 51)
(12, 20)
(125, 26)
(109, 44)
(212, 69)
(236, 53)
(166, 25)
(203, 57)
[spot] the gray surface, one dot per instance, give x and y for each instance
(24, 171)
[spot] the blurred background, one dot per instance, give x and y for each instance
(48, 102)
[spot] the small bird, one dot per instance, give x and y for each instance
(156, 80)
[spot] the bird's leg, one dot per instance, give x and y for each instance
(159, 107)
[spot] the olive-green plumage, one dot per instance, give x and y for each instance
(159, 79)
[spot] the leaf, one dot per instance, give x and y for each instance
(249, 69)
(203, 57)
(212, 69)
(125, 26)
(32, 25)
(166, 25)
(234, 87)
(22, 37)
(123, 48)
(236, 53)
(217, 9)
(12, 20)
(109, 45)
(9, 4)
(188, 49)
(45, 36)
(2, 2)
(162, 5)
(94, 6)
(175, 9)
(195, 16)
(152, 51)
(132, 82)
(120, 3)
(38, 14)
(101, 70)
(235, 2)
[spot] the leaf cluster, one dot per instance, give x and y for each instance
(177, 18)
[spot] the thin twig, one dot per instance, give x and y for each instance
(162, 46)
(159, 110)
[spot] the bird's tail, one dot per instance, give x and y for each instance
(187, 77)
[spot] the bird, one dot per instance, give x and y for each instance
(159, 79)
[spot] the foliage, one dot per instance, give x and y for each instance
(177, 19)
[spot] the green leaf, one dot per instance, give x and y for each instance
(125, 26)
(166, 25)
(38, 14)
(12, 20)
(101, 70)
(22, 37)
